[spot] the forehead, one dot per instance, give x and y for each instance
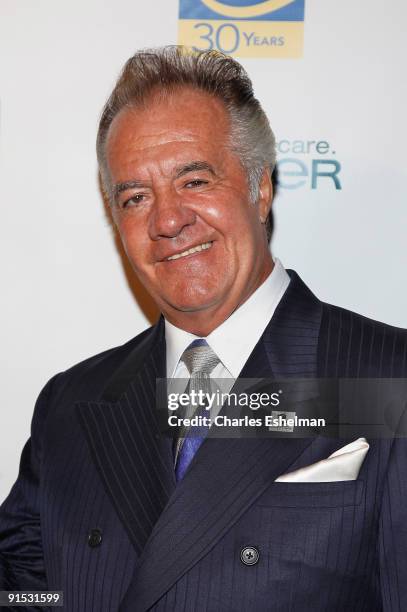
(182, 120)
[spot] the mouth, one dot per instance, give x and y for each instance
(196, 249)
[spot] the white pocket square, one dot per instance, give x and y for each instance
(343, 464)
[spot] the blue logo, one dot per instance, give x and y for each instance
(268, 10)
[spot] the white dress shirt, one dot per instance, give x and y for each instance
(234, 340)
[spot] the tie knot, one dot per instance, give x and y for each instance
(199, 358)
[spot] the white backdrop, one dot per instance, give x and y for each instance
(64, 293)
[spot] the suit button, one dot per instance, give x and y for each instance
(94, 538)
(249, 555)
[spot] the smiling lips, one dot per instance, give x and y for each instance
(196, 249)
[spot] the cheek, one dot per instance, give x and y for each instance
(219, 213)
(241, 230)
(133, 239)
(232, 216)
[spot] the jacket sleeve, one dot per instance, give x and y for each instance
(393, 528)
(21, 555)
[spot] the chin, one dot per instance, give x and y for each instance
(193, 303)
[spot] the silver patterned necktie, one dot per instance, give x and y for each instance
(200, 360)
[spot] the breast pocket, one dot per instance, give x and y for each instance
(312, 529)
(313, 494)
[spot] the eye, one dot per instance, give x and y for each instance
(133, 201)
(195, 183)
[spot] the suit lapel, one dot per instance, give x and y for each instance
(291, 341)
(228, 475)
(134, 462)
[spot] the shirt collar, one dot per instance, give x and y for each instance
(235, 338)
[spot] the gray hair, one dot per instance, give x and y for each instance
(168, 68)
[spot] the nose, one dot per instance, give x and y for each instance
(169, 215)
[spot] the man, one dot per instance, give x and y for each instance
(119, 517)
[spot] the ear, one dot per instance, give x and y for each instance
(265, 195)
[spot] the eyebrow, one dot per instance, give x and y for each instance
(193, 166)
(120, 187)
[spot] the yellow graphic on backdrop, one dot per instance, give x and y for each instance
(243, 28)
(259, 40)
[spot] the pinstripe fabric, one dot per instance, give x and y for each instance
(94, 461)
(134, 462)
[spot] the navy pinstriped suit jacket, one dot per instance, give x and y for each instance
(95, 460)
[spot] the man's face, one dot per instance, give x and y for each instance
(182, 208)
